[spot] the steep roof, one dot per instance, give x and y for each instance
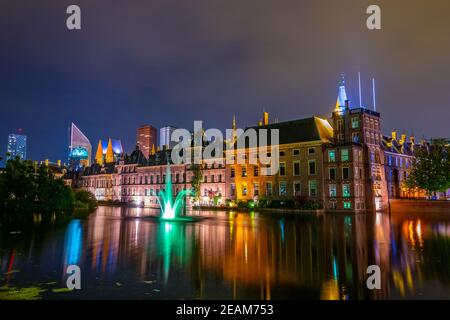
(302, 130)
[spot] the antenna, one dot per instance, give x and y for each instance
(374, 97)
(360, 95)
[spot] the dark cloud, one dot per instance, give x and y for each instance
(170, 62)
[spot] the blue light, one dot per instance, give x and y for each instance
(74, 242)
(79, 153)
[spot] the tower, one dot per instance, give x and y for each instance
(146, 137)
(362, 127)
(109, 158)
(80, 148)
(17, 146)
(99, 153)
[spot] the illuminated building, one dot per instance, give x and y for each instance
(146, 139)
(399, 157)
(300, 171)
(17, 146)
(80, 148)
(108, 151)
(341, 164)
(164, 137)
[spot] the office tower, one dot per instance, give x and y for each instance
(80, 148)
(164, 137)
(146, 139)
(17, 146)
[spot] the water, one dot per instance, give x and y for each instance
(124, 255)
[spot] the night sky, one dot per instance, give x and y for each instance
(172, 62)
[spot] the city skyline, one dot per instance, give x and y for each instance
(105, 79)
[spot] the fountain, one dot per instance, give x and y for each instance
(170, 208)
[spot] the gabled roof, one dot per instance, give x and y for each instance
(391, 145)
(302, 130)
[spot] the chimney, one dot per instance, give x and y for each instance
(394, 135)
(265, 118)
(403, 139)
(59, 163)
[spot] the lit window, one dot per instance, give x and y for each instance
(346, 190)
(355, 123)
(312, 188)
(244, 190)
(344, 155)
(255, 189)
(283, 188)
(332, 190)
(347, 205)
(331, 156)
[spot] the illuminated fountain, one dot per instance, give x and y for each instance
(169, 207)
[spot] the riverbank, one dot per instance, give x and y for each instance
(420, 206)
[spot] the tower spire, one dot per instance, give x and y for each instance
(360, 91)
(109, 158)
(99, 154)
(374, 96)
(342, 95)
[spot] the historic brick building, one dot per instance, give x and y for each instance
(342, 164)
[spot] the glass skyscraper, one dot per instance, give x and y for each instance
(17, 146)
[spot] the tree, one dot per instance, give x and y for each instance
(26, 189)
(431, 168)
(197, 179)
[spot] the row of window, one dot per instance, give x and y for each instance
(345, 173)
(344, 155)
(345, 190)
(398, 161)
(178, 178)
(282, 189)
(312, 169)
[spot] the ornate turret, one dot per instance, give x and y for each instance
(99, 154)
(342, 101)
(109, 158)
(153, 150)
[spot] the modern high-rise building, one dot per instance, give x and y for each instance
(146, 139)
(17, 146)
(164, 137)
(80, 148)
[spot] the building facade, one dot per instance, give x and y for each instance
(342, 164)
(80, 148)
(17, 146)
(147, 139)
(164, 137)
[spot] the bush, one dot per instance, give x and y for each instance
(84, 200)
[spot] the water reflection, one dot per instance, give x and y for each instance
(125, 253)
